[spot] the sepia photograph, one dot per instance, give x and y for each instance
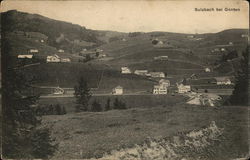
(124, 80)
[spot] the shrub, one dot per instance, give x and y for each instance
(96, 106)
(118, 104)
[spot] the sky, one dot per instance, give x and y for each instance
(143, 16)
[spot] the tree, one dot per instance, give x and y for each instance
(20, 120)
(58, 109)
(96, 106)
(119, 104)
(41, 141)
(107, 105)
(64, 110)
(240, 93)
(82, 94)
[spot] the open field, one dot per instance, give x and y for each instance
(130, 100)
(79, 135)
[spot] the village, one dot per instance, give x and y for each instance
(163, 86)
(73, 91)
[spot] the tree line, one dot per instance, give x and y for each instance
(83, 95)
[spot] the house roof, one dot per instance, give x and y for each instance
(142, 71)
(118, 87)
(164, 80)
(25, 56)
(156, 73)
(222, 79)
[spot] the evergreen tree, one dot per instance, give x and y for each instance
(58, 109)
(96, 106)
(119, 104)
(19, 116)
(64, 110)
(82, 94)
(240, 93)
(107, 105)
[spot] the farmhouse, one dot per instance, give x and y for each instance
(58, 90)
(204, 99)
(54, 58)
(157, 74)
(161, 58)
(42, 41)
(244, 36)
(223, 81)
(183, 88)
(141, 72)
(190, 36)
(164, 82)
(207, 69)
(223, 49)
(125, 70)
(230, 43)
(60, 51)
(160, 89)
(160, 43)
(25, 56)
(33, 51)
(65, 60)
(117, 90)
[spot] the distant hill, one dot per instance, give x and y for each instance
(70, 37)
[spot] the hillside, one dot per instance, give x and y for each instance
(187, 53)
(70, 37)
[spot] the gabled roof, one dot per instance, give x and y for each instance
(118, 87)
(164, 80)
(222, 79)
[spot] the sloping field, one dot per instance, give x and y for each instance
(87, 134)
(64, 74)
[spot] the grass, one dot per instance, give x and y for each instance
(145, 101)
(83, 132)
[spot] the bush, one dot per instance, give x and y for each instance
(107, 105)
(96, 107)
(118, 104)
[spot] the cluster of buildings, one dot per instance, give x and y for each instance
(29, 55)
(126, 70)
(97, 53)
(56, 58)
(204, 99)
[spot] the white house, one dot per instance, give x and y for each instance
(223, 81)
(161, 58)
(164, 82)
(230, 43)
(60, 51)
(141, 72)
(42, 41)
(160, 89)
(223, 49)
(58, 90)
(207, 69)
(117, 90)
(33, 50)
(190, 36)
(244, 36)
(157, 74)
(160, 43)
(124, 40)
(183, 88)
(65, 60)
(125, 70)
(25, 56)
(54, 58)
